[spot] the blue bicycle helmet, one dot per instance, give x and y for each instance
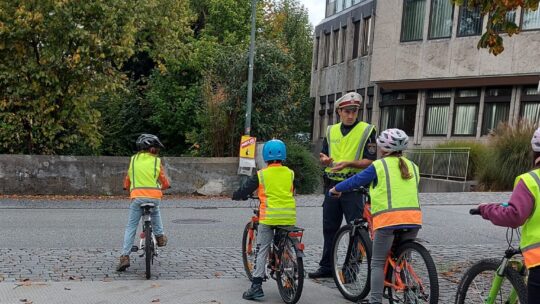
(274, 150)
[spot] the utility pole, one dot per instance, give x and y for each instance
(247, 125)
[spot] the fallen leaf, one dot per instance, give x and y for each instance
(65, 288)
(156, 301)
(217, 274)
(155, 285)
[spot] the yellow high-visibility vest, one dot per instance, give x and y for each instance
(278, 207)
(530, 232)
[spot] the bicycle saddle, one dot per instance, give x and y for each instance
(147, 205)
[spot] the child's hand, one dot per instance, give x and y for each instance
(334, 193)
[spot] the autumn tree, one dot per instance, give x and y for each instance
(497, 23)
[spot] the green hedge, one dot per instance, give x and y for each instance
(306, 167)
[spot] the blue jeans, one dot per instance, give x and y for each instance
(135, 213)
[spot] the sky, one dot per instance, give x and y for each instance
(315, 9)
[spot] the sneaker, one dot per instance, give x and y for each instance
(320, 273)
(124, 263)
(254, 292)
(161, 240)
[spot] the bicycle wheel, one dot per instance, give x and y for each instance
(148, 248)
(290, 274)
(351, 261)
(249, 243)
(476, 283)
(415, 278)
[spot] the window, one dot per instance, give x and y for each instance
(343, 42)
(412, 23)
(510, 17)
(330, 110)
(366, 36)
(347, 3)
(322, 117)
(530, 104)
(437, 110)
(362, 93)
(399, 111)
(531, 20)
(440, 22)
(326, 49)
(335, 47)
(369, 108)
(470, 21)
(355, 39)
(466, 112)
(316, 55)
(339, 6)
(496, 108)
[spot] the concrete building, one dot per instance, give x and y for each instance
(417, 65)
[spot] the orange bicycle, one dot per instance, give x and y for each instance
(410, 273)
(285, 259)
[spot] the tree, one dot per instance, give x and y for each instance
(496, 10)
(57, 58)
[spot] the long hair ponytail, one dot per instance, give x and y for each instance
(405, 174)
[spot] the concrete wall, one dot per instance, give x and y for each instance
(444, 58)
(86, 175)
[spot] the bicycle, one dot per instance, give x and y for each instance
(285, 258)
(405, 280)
(491, 281)
(147, 241)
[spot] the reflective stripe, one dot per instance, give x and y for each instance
(535, 177)
(279, 215)
(388, 188)
(363, 141)
(281, 209)
(328, 139)
(133, 171)
(397, 209)
(415, 179)
(531, 255)
(397, 217)
(264, 199)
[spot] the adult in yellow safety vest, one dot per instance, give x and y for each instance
(275, 186)
(348, 148)
(393, 185)
(145, 180)
(522, 210)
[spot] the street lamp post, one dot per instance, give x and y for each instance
(247, 125)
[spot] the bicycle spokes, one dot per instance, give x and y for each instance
(410, 279)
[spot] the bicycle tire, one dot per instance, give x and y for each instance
(485, 266)
(360, 271)
(248, 258)
(411, 295)
(290, 271)
(148, 248)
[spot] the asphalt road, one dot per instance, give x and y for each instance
(189, 227)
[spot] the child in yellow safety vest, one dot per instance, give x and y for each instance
(277, 207)
(145, 180)
(522, 210)
(393, 185)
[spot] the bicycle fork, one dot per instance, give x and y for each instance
(497, 282)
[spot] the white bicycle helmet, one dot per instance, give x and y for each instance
(535, 141)
(393, 140)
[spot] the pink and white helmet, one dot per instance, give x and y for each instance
(535, 141)
(393, 140)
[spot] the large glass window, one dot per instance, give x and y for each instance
(470, 21)
(412, 23)
(437, 110)
(510, 17)
(496, 108)
(531, 20)
(466, 112)
(530, 105)
(440, 22)
(398, 110)
(366, 36)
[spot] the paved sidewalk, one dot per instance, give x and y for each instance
(216, 291)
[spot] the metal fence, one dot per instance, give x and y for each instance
(441, 163)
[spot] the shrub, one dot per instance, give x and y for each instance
(306, 167)
(509, 155)
(477, 154)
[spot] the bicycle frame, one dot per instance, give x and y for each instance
(397, 269)
(147, 218)
(499, 277)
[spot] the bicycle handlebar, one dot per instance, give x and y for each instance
(474, 211)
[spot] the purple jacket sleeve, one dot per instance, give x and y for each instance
(514, 215)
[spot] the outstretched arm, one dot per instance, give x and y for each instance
(517, 211)
(246, 189)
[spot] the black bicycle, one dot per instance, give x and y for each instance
(147, 243)
(285, 258)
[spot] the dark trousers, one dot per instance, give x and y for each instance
(350, 205)
(533, 285)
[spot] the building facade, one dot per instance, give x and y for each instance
(417, 65)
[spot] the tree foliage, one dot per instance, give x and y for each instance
(497, 23)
